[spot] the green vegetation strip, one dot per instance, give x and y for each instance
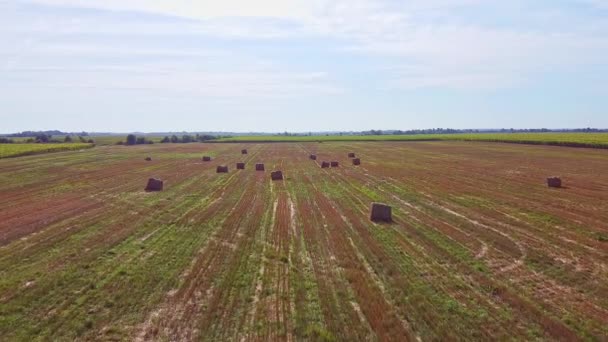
(16, 150)
(595, 140)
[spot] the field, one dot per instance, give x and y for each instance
(14, 150)
(480, 248)
(100, 140)
(596, 140)
(114, 139)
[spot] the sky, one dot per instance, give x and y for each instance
(302, 65)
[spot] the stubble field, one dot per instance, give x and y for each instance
(480, 248)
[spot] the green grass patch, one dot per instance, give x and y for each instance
(595, 140)
(16, 150)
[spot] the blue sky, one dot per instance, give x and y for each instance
(295, 65)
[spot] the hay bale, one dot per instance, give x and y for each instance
(222, 169)
(240, 166)
(335, 164)
(313, 157)
(554, 182)
(154, 184)
(356, 161)
(381, 213)
(148, 159)
(276, 175)
(351, 155)
(244, 151)
(324, 165)
(206, 158)
(259, 167)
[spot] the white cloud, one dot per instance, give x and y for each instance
(198, 9)
(167, 80)
(432, 40)
(603, 4)
(449, 51)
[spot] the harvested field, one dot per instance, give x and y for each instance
(480, 248)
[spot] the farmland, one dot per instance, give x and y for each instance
(15, 150)
(596, 140)
(480, 248)
(114, 139)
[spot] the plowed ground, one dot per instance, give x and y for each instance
(480, 248)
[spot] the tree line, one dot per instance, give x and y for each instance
(132, 139)
(26, 134)
(43, 138)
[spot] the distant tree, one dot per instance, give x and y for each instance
(187, 138)
(174, 139)
(206, 137)
(34, 134)
(91, 141)
(131, 139)
(68, 139)
(140, 140)
(165, 140)
(5, 141)
(43, 138)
